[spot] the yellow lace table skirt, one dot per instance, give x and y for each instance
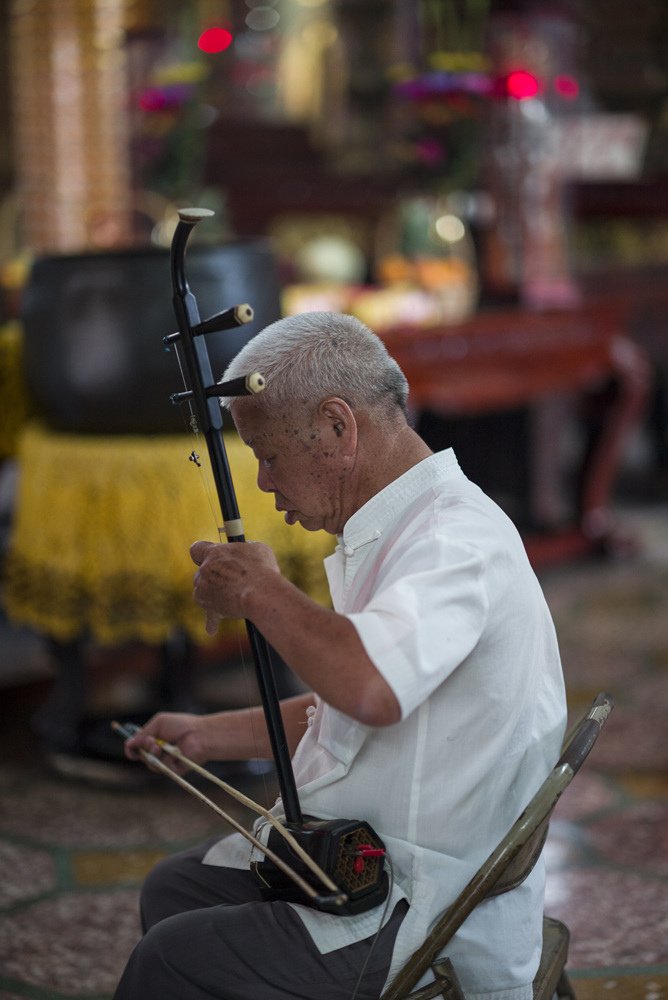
(102, 528)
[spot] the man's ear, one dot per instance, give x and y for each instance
(340, 419)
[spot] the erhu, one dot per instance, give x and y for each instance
(333, 865)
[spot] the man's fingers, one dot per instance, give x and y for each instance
(198, 551)
(142, 741)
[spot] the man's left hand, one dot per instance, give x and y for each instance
(227, 574)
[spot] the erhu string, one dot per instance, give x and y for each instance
(152, 761)
(202, 462)
(192, 427)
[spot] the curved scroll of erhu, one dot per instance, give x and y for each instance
(347, 851)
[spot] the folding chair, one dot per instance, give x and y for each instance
(508, 865)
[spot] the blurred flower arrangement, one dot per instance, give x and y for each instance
(439, 113)
(424, 260)
(169, 117)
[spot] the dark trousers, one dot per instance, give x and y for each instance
(209, 934)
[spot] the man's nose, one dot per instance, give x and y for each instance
(264, 479)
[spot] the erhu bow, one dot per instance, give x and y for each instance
(348, 854)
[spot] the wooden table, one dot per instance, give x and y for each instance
(509, 358)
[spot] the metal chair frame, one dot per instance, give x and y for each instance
(505, 868)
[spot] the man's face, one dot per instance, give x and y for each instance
(299, 460)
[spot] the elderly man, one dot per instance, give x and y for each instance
(435, 702)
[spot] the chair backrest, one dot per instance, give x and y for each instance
(577, 745)
(515, 856)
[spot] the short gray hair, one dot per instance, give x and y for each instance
(309, 356)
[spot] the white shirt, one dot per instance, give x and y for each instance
(435, 579)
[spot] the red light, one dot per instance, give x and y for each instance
(215, 40)
(567, 87)
(521, 85)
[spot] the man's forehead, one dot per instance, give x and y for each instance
(248, 419)
(252, 419)
(254, 423)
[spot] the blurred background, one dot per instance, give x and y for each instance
(485, 183)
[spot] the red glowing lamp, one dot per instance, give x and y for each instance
(215, 39)
(522, 85)
(567, 87)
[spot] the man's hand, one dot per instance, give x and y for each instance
(187, 732)
(233, 734)
(227, 575)
(322, 646)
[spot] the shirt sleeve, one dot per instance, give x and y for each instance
(425, 615)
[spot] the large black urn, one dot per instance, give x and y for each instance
(93, 328)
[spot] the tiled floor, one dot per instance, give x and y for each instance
(608, 843)
(73, 855)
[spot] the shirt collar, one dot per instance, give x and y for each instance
(369, 522)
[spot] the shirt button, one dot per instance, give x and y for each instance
(348, 550)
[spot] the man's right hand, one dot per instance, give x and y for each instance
(181, 729)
